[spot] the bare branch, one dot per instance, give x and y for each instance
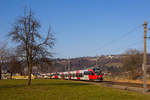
(31, 45)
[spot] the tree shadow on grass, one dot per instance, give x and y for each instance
(60, 84)
(42, 84)
(12, 86)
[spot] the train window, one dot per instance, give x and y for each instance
(91, 73)
(74, 75)
(81, 74)
(98, 73)
(77, 75)
(96, 68)
(70, 75)
(86, 73)
(66, 75)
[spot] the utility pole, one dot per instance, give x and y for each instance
(144, 57)
(68, 68)
(97, 58)
(80, 63)
(68, 64)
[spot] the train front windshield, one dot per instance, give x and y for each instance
(97, 71)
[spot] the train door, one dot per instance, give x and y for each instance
(83, 76)
(77, 74)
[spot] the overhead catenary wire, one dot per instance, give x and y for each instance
(130, 46)
(120, 38)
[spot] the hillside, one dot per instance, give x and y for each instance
(110, 63)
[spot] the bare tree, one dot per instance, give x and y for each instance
(132, 61)
(31, 45)
(3, 57)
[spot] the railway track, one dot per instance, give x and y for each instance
(139, 85)
(136, 87)
(125, 84)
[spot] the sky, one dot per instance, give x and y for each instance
(83, 27)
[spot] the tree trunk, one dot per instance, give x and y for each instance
(29, 74)
(11, 75)
(0, 72)
(133, 74)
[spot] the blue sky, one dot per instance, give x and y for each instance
(83, 27)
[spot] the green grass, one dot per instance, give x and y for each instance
(62, 90)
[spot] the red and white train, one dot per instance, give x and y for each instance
(94, 74)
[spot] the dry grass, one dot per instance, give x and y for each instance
(132, 81)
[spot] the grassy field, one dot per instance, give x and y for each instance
(62, 90)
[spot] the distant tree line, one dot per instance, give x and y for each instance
(132, 62)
